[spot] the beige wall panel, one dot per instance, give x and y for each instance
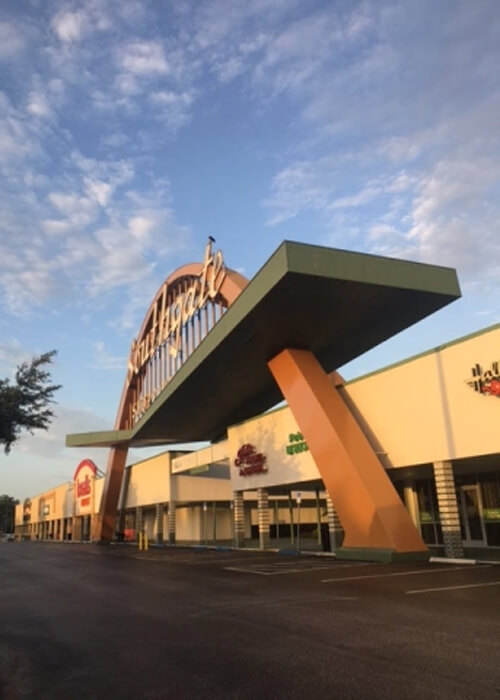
(224, 523)
(99, 485)
(269, 434)
(207, 455)
(197, 488)
(149, 482)
(424, 411)
(69, 497)
(400, 409)
(188, 524)
(472, 419)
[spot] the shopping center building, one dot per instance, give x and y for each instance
(395, 464)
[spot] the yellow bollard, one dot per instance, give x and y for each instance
(139, 540)
(146, 541)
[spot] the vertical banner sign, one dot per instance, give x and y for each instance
(84, 484)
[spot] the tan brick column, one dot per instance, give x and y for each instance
(263, 516)
(334, 525)
(171, 522)
(139, 521)
(239, 519)
(448, 509)
(160, 508)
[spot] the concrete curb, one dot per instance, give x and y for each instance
(449, 560)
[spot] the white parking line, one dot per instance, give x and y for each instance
(278, 568)
(453, 588)
(416, 572)
(256, 571)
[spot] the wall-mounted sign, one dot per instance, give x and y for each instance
(491, 514)
(84, 479)
(46, 504)
(249, 461)
(296, 444)
(486, 382)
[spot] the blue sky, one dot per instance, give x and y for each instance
(130, 131)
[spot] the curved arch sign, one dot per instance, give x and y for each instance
(183, 312)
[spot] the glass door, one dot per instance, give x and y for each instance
(470, 510)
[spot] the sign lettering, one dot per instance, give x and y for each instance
(167, 325)
(486, 382)
(249, 461)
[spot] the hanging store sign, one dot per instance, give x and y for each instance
(249, 461)
(486, 382)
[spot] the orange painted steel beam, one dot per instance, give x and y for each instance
(105, 522)
(367, 504)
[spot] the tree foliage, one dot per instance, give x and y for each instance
(7, 511)
(25, 404)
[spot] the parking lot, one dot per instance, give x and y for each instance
(221, 624)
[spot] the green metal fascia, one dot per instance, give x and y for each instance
(371, 269)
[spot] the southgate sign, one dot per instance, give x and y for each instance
(183, 312)
(174, 313)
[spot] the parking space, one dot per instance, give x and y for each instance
(290, 566)
(366, 579)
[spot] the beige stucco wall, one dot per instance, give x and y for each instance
(192, 524)
(149, 482)
(269, 434)
(424, 411)
(417, 412)
(200, 488)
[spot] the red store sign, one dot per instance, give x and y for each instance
(249, 461)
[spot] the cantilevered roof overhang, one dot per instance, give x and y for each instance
(336, 303)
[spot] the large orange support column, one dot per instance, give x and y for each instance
(105, 523)
(370, 510)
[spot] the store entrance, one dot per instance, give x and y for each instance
(471, 522)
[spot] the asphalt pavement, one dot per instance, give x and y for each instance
(93, 622)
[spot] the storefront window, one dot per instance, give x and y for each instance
(428, 512)
(490, 491)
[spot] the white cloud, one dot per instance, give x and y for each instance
(127, 84)
(38, 105)
(101, 191)
(12, 354)
(79, 210)
(367, 194)
(140, 227)
(143, 58)
(69, 26)
(51, 443)
(173, 107)
(56, 227)
(102, 359)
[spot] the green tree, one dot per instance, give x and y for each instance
(7, 513)
(24, 404)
